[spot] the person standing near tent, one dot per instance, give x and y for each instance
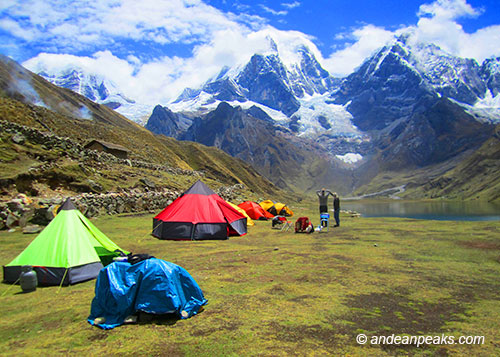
(336, 209)
(323, 200)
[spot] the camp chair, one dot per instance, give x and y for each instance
(324, 218)
(286, 226)
(277, 222)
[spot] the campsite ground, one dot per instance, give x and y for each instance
(280, 293)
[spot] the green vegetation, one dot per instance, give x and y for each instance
(281, 293)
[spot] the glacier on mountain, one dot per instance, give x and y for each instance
(350, 157)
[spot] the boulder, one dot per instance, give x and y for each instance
(16, 205)
(148, 183)
(18, 138)
(32, 229)
(26, 216)
(12, 220)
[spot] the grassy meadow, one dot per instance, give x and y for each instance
(280, 293)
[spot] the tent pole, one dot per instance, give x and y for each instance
(62, 281)
(159, 222)
(15, 282)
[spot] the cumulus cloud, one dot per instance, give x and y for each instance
(272, 11)
(91, 24)
(438, 24)
(366, 39)
(448, 9)
(291, 5)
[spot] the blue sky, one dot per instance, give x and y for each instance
(154, 48)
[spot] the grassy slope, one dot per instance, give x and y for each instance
(274, 293)
(144, 145)
(19, 86)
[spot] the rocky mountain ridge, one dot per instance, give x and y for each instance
(407, 106)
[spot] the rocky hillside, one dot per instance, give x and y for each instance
(36, 167)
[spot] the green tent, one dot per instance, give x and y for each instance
(70, 248)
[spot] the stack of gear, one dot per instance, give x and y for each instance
(278, 221)
(150, 285)
(303, 225)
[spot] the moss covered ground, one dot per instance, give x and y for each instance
(280, 293)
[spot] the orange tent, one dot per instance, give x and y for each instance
(255, 211)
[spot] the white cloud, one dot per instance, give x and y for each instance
(367, 39)
(272, 11)
(437, 24)
(447, 9)
(218, 39)
(15, 29)
(291, 5)
(442, 29)
(90, 24)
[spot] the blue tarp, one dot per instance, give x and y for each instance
(153, 286)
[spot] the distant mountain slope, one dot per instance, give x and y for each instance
(28, 99)
(477, 176)
(436, 130)
(275, 152)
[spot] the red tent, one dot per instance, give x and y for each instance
(255, 211)
(198, 214)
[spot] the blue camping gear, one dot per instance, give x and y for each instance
(153, 286)
(324, 217)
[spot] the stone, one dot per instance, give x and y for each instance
(148, 183)
(18, 138)
(40, 216)
(15, 205)
(24, 199)
(51, 212)
(32, 229)
(12, 220)
(26, 216)
(4, 212)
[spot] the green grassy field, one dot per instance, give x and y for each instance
(281, 293)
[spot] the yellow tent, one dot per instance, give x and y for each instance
(268, 206)
(276, 208)
(282, 209)
(242, 211)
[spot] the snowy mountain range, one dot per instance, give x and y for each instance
(389, 84)
(293, 91)
(408, 104)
